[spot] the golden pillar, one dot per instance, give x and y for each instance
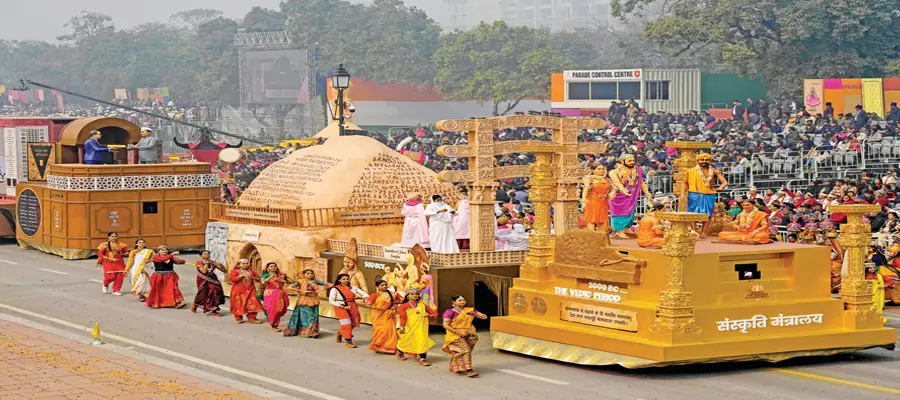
(542, 193)
(675, 311)
(856, 237)
(686, 160)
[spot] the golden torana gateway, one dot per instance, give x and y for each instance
(574, 297)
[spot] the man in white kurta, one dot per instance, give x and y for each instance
(441, 232)
(415, 228)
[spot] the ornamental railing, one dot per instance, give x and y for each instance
(442, 260)
(302, 218)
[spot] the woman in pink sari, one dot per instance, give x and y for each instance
(275, 299)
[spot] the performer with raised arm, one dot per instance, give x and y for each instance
(441, 232)
(164, 291)
(343, 298)
(628, 184)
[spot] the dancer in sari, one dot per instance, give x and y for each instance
(210, 294)
(343, 298)
(460, 340)
(414, 340)
(384, 319)
(111, 255)
(305, 318)
(275, 297)
(164, 292)
(136, 266)
(243, 293)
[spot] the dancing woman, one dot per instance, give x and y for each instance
(210, 294)
(413, 330)
(136, 266)
(305, 318)
(460, 340)
(275, 298)
(111, 255)
(243, 293)
(384, 319)
(343, 298)
(164, 292)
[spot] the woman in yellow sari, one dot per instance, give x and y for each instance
(461, 338)
(384, 319)
(140, 278)
(413, 330)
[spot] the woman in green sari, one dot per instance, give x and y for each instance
(305, 318)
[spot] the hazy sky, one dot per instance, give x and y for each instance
(44, 19)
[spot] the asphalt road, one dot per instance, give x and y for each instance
(66, 294)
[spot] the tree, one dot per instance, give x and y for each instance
(497, 64)
(386, 41)
(780, 42)
(193, 19)
(88, 25)
(264, 20)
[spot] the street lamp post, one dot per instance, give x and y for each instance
(340, 80)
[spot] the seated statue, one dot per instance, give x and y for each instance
(649, 231)
(720, 220)
(751, 226)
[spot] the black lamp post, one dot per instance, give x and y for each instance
(340, 80)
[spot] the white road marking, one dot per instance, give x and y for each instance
(96, 280)
(535, 377)
(8, 262)
(185, 357)
(52, 271)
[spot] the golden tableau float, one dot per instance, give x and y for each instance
(573, 296)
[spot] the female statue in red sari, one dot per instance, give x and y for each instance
(111, 255)
(243, 292)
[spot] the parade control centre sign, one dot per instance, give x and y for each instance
(603, 75)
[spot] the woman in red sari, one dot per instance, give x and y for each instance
(209, 290)
(343, 298)
(164, 292)
(243, 292)
(111, 255)
(384, 319)
(275, 299)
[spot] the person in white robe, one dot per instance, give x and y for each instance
(461, 223)
(441, 232)
(415, 226)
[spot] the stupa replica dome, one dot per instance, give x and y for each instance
(354, 172)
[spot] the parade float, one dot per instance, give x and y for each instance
(584, 300)
(67, 207)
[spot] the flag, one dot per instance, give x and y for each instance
(38, 95)
(143, 93)
(121, 94)
(59, 101)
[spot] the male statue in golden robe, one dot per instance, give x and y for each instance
(351, 259)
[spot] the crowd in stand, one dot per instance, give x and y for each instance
(172, 109)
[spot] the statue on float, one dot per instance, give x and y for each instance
(699, 190)
(351, 261)
(649, 230)
(628, 184)
(204, 150)
(751, 226)
(417, 275)
(595, 200)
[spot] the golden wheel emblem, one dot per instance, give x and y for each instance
(538, 306)
(520, 303)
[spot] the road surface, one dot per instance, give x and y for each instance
(65, 296)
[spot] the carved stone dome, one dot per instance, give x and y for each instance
(355, 172)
